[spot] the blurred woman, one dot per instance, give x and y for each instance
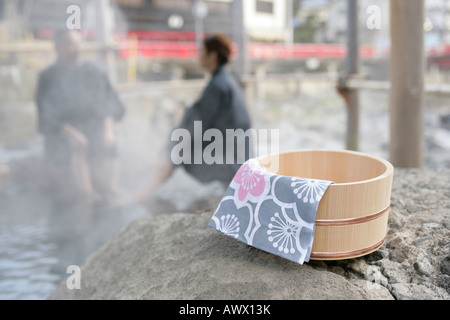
(221, 106)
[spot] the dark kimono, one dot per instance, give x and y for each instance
(82, 97)
(221, 106)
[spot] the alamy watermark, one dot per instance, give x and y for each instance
(74, 280)
(373, 21)
(73, 22)
(231, 148)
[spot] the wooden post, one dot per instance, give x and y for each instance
(104, 33)
(260, 79)
(352, 69)
(132, 58)
(289, 38)
(240, 38)
(200, 11)
(407, 83)
(11, 20)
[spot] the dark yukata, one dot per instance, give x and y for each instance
(221, 106)
(81, 96)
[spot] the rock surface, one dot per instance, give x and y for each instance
(177, 256)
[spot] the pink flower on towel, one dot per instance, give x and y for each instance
(250, 178)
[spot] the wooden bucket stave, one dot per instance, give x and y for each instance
(352, 216)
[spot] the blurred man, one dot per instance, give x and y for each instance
(77, 109)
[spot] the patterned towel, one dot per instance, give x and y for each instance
(270, 212)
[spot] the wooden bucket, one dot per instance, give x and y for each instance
(352, 216)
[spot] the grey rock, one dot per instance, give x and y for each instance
(360, 267)
(445, 265)
(418, 241)
(178, 257)
(384, 253)
(374, 275)
(378, 255)
(395, 222)
(373, 290)
(410, 291)
(413, 208)
(318, 264)
(398, 251)
(338, 270)
(446, 223)
(432, 225)
(395, 272)
(423, 267)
